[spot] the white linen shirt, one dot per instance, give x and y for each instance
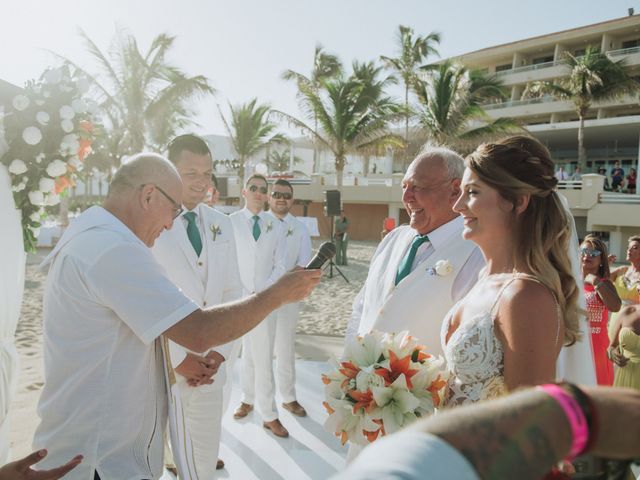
(106, 302)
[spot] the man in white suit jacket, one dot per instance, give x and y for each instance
(209, 277)
(298, 254)
(261, 245)
(418, 298)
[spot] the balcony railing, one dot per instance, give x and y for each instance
(518, 103)
(570, 185)
(528, 68)
(626, 198)
(623, 51)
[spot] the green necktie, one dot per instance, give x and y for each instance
(193, 233)
(256, 227)
(405, 266)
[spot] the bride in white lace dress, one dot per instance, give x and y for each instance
(508, 330)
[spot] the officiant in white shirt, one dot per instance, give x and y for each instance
(406, 288)
(261, 248)
(199, 256)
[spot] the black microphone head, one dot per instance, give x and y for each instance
(327, 250)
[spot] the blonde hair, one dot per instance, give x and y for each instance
(521, 165)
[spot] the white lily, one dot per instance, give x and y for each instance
(396, 405)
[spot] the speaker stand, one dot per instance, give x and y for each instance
(331, 264)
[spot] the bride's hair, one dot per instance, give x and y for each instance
(520, 165)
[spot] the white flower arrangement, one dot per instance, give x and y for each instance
(442, 268)
(383, 382)
(44, 137)
(215, 231)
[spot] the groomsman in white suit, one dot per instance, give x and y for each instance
(199, 256)
(298, 254)
(403, 290)
(261, 248)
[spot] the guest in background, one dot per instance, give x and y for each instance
(577, 174)
(617, 177)
(601, 298)
(631, 181)
(627, 278)
(561, 174)
(341, 238)
(603, 171)
(213, 194)
(624, 350)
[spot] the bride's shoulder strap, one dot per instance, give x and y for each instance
(533, 278)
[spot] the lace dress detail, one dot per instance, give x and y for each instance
(475, 356)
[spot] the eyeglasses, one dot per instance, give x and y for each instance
(279, 195)
(255, 188)
(177, 208)
(590, 252)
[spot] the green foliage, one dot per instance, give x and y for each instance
(450, 98)
(144, 97)
(251, 131)
(351, 112)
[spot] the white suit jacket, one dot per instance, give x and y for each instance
(261, 262)
(176, 254)
(298, 240)
(421, 300)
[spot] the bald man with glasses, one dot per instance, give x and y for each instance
(107, 303)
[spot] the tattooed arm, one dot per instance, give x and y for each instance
(519, 436)
(523, 435)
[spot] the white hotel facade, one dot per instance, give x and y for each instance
(612, 132)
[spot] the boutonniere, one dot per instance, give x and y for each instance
(269, 226)
(442, 268)
(215, 231)
(290, 231)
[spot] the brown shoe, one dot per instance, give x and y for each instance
(243, 410)
(219, 464)
(295, 408)
(277, 428)
(172, 469)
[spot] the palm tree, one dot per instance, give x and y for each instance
(145, 98)
(450, 99)
(352, 114)
(412, 53)
(593, 77)
(325, 66)
(281, 161)
(250, 131)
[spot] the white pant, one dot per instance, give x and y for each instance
(284, 348)
(257, 369)
(202, 407)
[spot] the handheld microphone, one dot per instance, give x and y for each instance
(326, 252)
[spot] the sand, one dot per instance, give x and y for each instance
(325, 313)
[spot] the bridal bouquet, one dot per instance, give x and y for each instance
(383, 382)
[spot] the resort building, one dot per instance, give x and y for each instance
(612, 133)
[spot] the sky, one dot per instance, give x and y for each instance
(243, 46)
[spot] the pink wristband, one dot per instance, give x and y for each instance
(575, 417)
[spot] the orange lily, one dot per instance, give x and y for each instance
(328, 408)
(397, 367)
(363, 400)
(438, 384)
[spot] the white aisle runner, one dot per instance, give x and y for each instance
(251, 452)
